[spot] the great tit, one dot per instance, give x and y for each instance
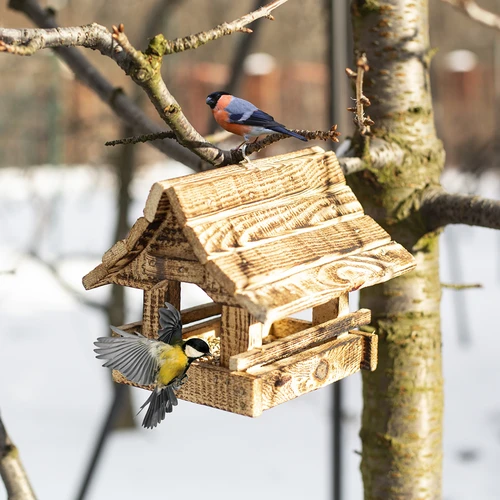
(163, 362)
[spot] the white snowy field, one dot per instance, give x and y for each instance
(54, 393)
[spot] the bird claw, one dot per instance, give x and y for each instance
(179, 383)
(246, 160)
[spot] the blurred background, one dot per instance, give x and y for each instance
(65, 198)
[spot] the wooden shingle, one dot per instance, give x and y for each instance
(283, 236)
(264, 241)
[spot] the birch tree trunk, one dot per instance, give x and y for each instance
(403, 399)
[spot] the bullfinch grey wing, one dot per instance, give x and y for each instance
(135, 356)
(170, 325)
(245, 113)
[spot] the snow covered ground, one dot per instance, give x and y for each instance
(54, 393)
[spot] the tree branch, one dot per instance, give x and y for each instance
(351, 164)
(253, 147)
(11, 469)
(361, 121)
(472, 10)
(143, 67)
(85, 72)
(440, 208)
(195, 41)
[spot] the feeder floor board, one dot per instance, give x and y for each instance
(262, 387)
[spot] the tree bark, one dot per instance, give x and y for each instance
(403, 399)
(12, 471)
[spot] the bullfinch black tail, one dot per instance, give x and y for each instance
(161, 401)
(282, 130)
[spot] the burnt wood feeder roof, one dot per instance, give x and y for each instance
(278, 238)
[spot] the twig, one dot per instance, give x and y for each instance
(195, 41)
(455, 286)
(254, 147)
(11, 469)
(168, 134)
(143, 68)
(472, 10)
(440, 208)
(360, 120)
(85, 72)
(310, 135)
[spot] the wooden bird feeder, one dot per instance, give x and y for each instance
(264, 243)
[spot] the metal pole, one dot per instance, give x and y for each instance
(120, 393)
(339, 58)
(339, 48)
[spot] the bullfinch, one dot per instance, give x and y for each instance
(163, 362)
(241, 117)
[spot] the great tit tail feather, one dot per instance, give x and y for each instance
(161, 401)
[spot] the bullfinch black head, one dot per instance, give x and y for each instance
(213, 98)
(196, 348)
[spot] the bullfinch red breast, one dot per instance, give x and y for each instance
(241, 117)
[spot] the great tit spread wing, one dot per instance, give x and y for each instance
(136, 357)
(170, 324)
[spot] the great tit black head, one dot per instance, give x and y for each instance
(214, 97)
(196, 348)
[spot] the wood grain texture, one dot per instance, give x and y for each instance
(239, 332)
(217, 387)
(262, 387)
(276, 239)
(317, 285)
(370, 355)
(200, 312)
(153, 300)
(207, 328)
(312, 369)
(250, 267)
(298, 342)
(160, 234)
(287, 326)
(252, 226)
(339, 306)
(229, 188)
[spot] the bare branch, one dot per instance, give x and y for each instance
(195, 41)
(84, 71)
(168, 134)
(254, 147)
(380, 154)
(351, 164)
(11, 469)
(458, 286)
(440, 208)
(472, 10)
(143, 68)
(310, 135)
(360, 120)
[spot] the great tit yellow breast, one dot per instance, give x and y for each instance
(173, 363)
